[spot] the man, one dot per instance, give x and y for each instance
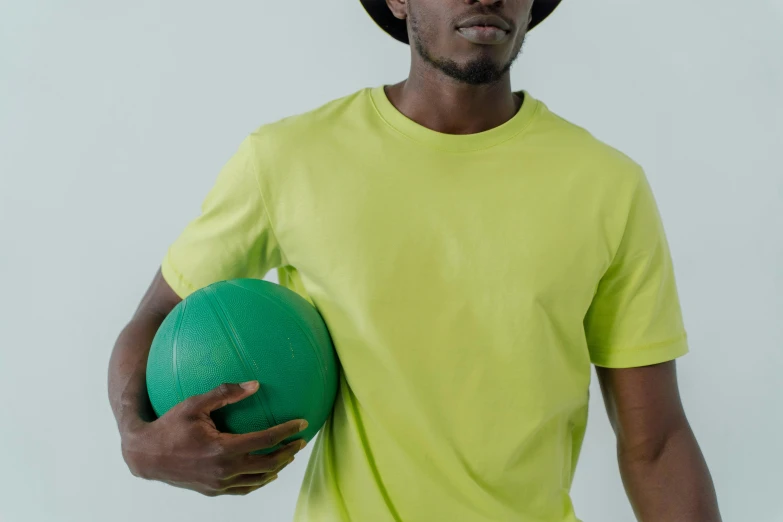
(472, 254)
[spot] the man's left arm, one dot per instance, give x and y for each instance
(663, 470)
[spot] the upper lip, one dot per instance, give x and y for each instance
(490, 20)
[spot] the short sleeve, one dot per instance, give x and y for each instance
(635, 318)
(232, 237)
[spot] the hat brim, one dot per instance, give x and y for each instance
(379, 11)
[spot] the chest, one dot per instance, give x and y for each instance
(405, 238)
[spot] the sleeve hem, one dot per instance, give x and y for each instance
(643, 356)
(181, 286)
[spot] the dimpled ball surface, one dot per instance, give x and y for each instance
(242, 330)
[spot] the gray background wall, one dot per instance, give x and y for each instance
(116, 116)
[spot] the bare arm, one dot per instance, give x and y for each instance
(128, 363)
(183, 447)
(663, 470)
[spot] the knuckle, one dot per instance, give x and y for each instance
(269, 438)
(188, 406)
(224, 390)
(221, 470)
(134, 471)
(133, 466)
(218, 451)
(127, 457)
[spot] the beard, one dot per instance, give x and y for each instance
(482, 70)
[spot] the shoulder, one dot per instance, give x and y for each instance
(294, 133)
(600, 160)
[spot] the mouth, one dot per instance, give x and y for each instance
(486, 30)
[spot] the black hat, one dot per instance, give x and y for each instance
(380, 12)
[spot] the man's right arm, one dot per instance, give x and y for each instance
(183, 447)
(128, 363)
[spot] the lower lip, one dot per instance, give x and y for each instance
(482, 34)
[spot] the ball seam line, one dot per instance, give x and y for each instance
(259, 396)
(305, 332)
(174, 360)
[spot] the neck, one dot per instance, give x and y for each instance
(450, 107)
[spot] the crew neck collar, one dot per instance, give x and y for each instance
(455, 142)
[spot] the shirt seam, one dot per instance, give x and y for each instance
(256, 171)
(643, 348)
(628, 212)
(533, 116)
(178, 272)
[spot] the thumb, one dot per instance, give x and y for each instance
(223, 395)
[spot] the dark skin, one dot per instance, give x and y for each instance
(457, 87)
(436, 93)
(183, 447)
(663, 470)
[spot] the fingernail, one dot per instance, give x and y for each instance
(302, 443)
(302, 425)
(249, 385)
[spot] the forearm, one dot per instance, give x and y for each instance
(669, 481)
(127, 371)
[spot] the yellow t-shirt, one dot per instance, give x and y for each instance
(468, 282)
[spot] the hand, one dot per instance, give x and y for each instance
(185, 449)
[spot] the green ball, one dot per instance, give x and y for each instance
(243, 330)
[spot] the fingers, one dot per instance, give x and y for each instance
(272, 463)
(254, 483)
(221, 396)
(249, 481)
(249, 442)
(259, 470)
